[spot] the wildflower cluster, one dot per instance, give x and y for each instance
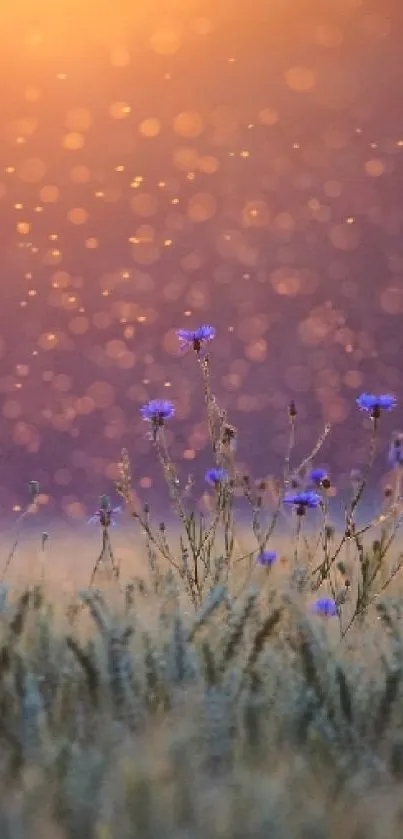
(258, 637)
(304, 489)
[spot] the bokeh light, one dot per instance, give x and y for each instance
(166, 164)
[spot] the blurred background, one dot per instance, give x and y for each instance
(174, 162)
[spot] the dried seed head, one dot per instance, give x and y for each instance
(104, 503)
(292, 410)
(228, 433)
(33, 490)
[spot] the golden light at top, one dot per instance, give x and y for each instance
(68, 27)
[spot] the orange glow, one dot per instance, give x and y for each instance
(59, 27)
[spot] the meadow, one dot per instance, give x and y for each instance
(206, 679)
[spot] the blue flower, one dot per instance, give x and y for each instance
(325, 606)
(195, 337)
(317, 476)
(157, 411)
(266, 558)
(216, 476)
(303, 499)
(375, 404)
(105, 515)
(395, 455)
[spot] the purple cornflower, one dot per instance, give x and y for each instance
(325, 606)
(395, 456)
(266, 558)
(157, 411)
(195, 338)
(319, 477)
(105, 514)
(303, 500)
(375, 404)
(216, 476)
